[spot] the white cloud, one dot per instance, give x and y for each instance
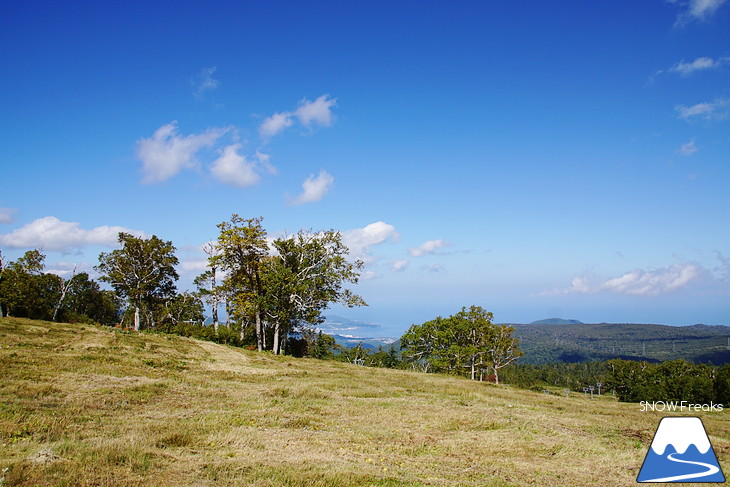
(317, 112)
(314, 188)
(233, 168)
(699, 64)
(6, 215)
(50, 233)
(205, 81)
(714, 110)
(67, 269)
(688, 149)
(369, 275)
(167, 152)
(360, 240)
(428, 247)
(639, 282)
(198, 265)
(308, 113)
(275, 124)
(696, 10)
(652, 283)
(399, 265)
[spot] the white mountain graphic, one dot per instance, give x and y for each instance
(680, 452)
(680, 432)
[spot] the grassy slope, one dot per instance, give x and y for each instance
(81, 405)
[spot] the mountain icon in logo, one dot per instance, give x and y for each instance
(680, 452)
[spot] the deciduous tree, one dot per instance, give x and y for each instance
(307, 272)
(141, 272)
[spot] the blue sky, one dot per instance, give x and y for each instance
(538, 160)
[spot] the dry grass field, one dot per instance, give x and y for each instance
(84, 405)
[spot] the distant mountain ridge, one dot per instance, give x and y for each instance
(556, 321)
(555, 340)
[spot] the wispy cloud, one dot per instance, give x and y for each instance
(428, 247)
(638, 282)
(399, 265)
(204, 81)
(700, 64)
(713, 110)
(52, 234)
(314, 188)
(695, 10)
(167, 152)
(234, 169)
(6, 215)
(688, 149)
(309, 113)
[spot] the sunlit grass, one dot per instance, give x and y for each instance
(81, 405)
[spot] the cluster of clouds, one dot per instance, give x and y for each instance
(361, 240)
(716, 109)
(167, 152)
(51, 234)
(639, 282)
(308, 114)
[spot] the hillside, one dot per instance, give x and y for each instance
(577, 342)
(84, 405)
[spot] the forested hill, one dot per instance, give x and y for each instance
(557, 340)
(546, 343)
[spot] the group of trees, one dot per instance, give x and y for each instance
(674, 380)
(27, 291)
(630, 380)
(272, 291)
(465, 343)
(274, 294)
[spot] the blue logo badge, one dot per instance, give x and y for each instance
(680, 452)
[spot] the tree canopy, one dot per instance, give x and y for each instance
(141, 272)
(467, 342)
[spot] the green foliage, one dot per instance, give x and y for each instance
(323, 346)
(282, 293)
(240, 251)
(85, 302)
(573, 376)
(25, 291)
(721, 386)
(653, 343)
(467, 342)
(303, 277)
(142, 272)
(675, 380)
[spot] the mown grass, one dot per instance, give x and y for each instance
(82, 405)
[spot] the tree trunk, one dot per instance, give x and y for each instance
(259, 333)
(136, 317)
(473, 370)
(215, 315)
(276, 343)
(496, 375)
(215, 300)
